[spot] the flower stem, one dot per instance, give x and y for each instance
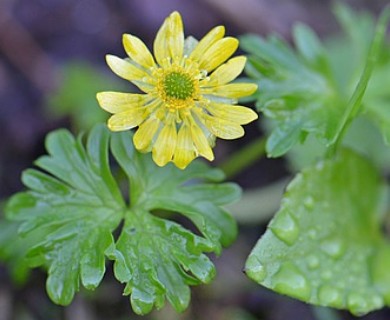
(244, 157)
(355, 102)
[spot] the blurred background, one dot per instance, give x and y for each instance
(51, 66)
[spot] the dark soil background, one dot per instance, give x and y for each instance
(38, 37)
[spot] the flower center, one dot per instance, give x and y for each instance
(178, 85)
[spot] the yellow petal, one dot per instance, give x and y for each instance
(126, 120)
(222, 128)
(232, 90)
(201, 143)
(144, 135)
(185, 150)
(237, 114)
(125, 69)
(226, 72)
(137, 50)
(160, 45)
(218, 53)
(165, 144)
(176, 36)
(115, 102)
(207, 41)
(169, 41)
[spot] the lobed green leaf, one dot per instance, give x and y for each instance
(73, 205)
(75, 210)
(167, 257)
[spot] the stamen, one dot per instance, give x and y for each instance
(178, 85)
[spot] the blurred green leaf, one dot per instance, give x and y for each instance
(295, 89)
(325, 245)
(354, 104)
(362, 136)
(76, 205)
(347, 68)
(310, 47)
(317, 89)
(76, 96)
(13, 251)
(377, 99)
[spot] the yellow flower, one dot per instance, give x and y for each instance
(187, 99)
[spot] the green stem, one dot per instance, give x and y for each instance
(244, 157)
(355, 102)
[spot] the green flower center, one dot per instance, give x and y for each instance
(178, 86)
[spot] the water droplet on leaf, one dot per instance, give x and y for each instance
(254, 269)
(289, 280)
(285, 227)
(335, 248)
(330, 296)
(312, 233)
(309, 202)
(357, 304)
(313, 262)
(326, 275)
(320, 166)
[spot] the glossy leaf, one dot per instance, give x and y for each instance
(74, 205)
(168, 257)
(325, 245)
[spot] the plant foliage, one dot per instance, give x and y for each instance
(325, 245)
(75, 205)
(317, 89)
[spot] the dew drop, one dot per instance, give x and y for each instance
(334, 248)
(309, 202)
(357, 304)
(313, 262)
(320, 166)
(326, 275)
(376, 301)
(330, 296)
(203, 74)
(254, 269)
(285, 228)
(312, 233)
(289, 280)
(360, 304)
